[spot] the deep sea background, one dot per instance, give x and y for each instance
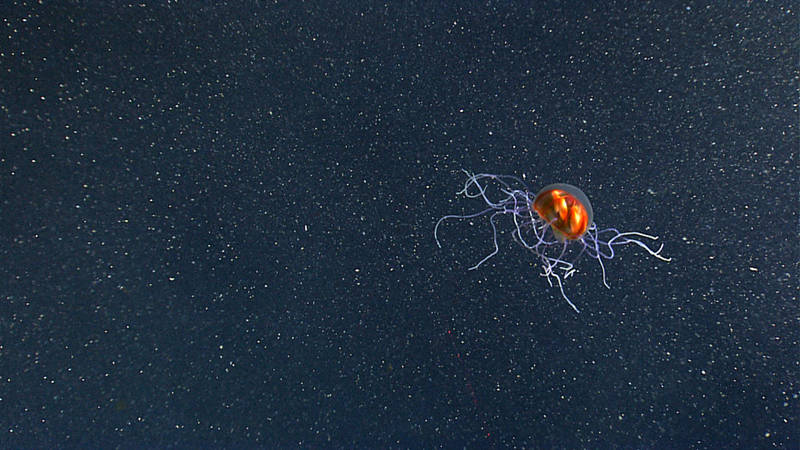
(216, 224)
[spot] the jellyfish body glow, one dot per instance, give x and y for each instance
(556, 225)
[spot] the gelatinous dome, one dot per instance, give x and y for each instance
(566, 208)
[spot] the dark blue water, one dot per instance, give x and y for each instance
(217, 225)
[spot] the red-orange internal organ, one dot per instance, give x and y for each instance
(566, 215)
